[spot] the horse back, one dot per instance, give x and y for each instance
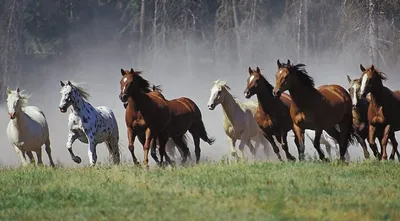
(336, 95)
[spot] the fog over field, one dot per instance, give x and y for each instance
(98, 64)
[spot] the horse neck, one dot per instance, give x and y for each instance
(229, 106)
(265, 100)
(377, 95)
(142, 101)
(19, 120)
(80, 106)
(362, 110)
(301, 95)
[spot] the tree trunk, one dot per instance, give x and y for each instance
(299, 30)
(237, 33)
(253, 21)
(306, 31)
(141, 37)
(372, 49)
(155, 46)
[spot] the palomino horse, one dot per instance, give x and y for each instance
(239, 119)
(91, 125)
(27, 130)
(383, 109)
(164, 118)
(136, 126)
(316, 109)
(272, 114)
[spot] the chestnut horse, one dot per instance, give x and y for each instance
(383, 109)
(136, 126)
(319, 109)
(164, 118)
(272, 114)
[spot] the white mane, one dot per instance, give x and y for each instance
(23, 98)
(221, 84)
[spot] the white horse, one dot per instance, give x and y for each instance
(27, 130)
(239, 119)
(329, 142)
(91, 125)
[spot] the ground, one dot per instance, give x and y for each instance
(366, 190)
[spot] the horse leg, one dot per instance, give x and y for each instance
(39, 156)
(361, 141)
(371, 141)
(243, 141)
(131, 140)
(392, 138)
(72, 136)
(271, 140)
(179, 142)
(300, 140)
(162, 141)
(92, 152)
(232, 143)
(283, 141)
(30, 155)
(251, 147)
(385, 138)
(48, 152)
(146, 147)
(21, 156)
(170, 148)
(317, 145)
(113, 150)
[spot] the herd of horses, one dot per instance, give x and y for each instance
(365, 111)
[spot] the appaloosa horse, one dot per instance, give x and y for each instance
(383, 109)
(319, 109)
(272, 114)
(164, 118)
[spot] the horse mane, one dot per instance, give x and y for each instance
(144, 84)
(301, 73)
(82, 91)
(157, 88)
(381, 75)
(222, 84)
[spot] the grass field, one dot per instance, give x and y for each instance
(240, 191)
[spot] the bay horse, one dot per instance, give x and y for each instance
(272, 114)
(164, 118)
(136, 126)
(323, 108)
(383, 109)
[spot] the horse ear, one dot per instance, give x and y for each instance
(258, 70)
(122, 72)
(250, 71)
(288, 62)
(132, 71)
(8, 90)
(348, 78)
(62, 84)
(279, 64)
(362, 68)
(372, 68)
(69, 83)
(18, 90)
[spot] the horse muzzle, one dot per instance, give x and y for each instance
(247, 94)
(211, 106)
(12, 115)
(277, 94)
(123, 98)
(62, 109)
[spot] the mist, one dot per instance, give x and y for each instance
(186, 70)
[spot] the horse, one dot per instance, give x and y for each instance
(164, 118)
(136, 126)
(272, 114)
(326, 108)
(382, 111)
(91, 125)
(329, 142)
(239, 119)
(27, 130)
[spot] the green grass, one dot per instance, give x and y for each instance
(255, 191)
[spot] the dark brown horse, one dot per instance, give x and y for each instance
(319, 109)
(272, 114)
(383, 109)
(164, 118)
(136, 126)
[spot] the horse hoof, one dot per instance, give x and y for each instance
(77, 159)
(292, 159)
(326, 160)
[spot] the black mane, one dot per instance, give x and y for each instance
(268, 85)
(301, 74)
(142, 83)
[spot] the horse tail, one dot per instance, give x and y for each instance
(351, 137)
(201, 129)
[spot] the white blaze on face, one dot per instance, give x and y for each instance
(280, 72)
(125, 79)
(213, 96)
(363, 83)
(354, 95)
(251, 79)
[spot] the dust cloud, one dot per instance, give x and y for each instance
(99, 67)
